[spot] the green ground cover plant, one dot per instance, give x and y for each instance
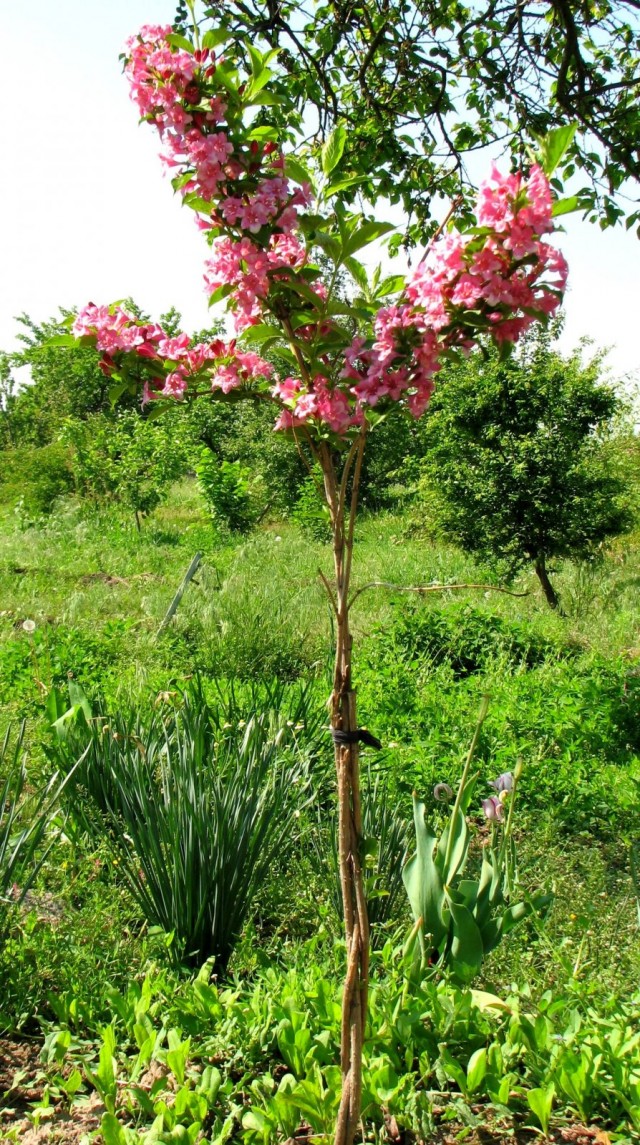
(563, 699)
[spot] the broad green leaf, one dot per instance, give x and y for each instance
(296, 170)
(367, 233)
(260, 334)
(116, 392)
(178, 41)
(565, 206)
(220, 293)
(554, 145)
(459, 832)
(263, 99)
(489, 1002)
(62, 340)
(341, 185)
(466, 949)
(112, 1131)
(358, 273)
(263, 134)
(256, 85)
(540, 1102)
(422, 879)
(390, 285)
(476, 1069)
(214, 38)
(329, 244)
(333, 149)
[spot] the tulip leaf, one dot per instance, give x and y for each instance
(467, 949)
(422, 879)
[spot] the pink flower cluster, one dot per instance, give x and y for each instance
(323, 403)
(500, 274)
(250, 269)
(122, 339)
(403, 359)
(242, 181)
(494, 281)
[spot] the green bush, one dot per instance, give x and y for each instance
(34, 477)
(227, 489)
(310, 511)
(515, 453)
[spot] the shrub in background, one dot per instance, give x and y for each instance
(126, 459)
(229, 492)
(35, 477)
(514, 450)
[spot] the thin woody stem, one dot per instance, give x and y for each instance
(329, 591)
(346, 471)
(302, 365)
(422, 589)
(354, 507)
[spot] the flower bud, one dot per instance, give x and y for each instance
(192, 93)
(504, 782)
(493, 809)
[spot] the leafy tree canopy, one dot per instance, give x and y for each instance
(515, 451)
(420, 86)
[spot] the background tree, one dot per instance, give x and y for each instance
(515, 451)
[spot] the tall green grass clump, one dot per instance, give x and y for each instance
(195, 802)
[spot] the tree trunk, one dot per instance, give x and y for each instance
(553, 600)
(344, 725)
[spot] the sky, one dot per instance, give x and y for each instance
(86, 213)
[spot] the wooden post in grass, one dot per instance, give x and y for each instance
(188, 576)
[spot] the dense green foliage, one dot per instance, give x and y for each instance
(565, 697)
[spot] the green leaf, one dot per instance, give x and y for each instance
(565, 206)
(457, 828)
(358, 273)
(333, 149)
(215, 37)
(62, 340)
(476, 1069)
(367, 233)
(263, 134)
(112, 1131)
(256, 85)
(540, 1102)
(116, 392)
(554, 145)
(341, 185)
(391, 285)
(178, 41)
(296, 170)
(260, 335)
(422, 879)
(467, 950)
(220, 293)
